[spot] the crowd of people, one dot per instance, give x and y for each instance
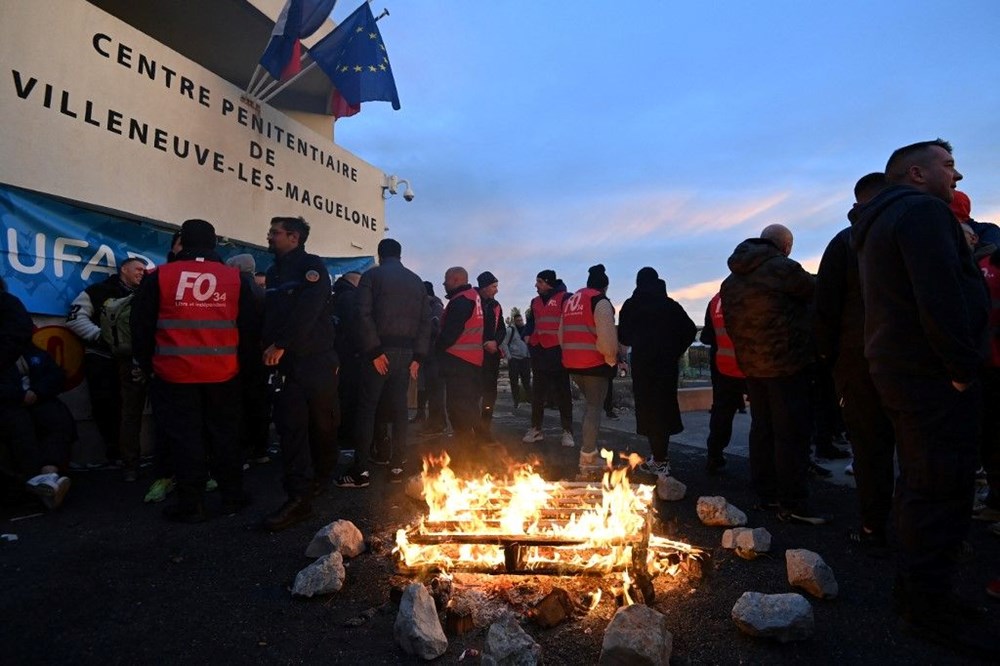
(894, 342)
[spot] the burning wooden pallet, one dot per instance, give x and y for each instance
(485, 540)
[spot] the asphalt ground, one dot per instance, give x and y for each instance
(106, 580)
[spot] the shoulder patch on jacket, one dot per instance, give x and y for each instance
(312, 276)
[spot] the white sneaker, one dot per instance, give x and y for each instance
(654, 467)
(50, 488)
(567, 439)
(533, 435)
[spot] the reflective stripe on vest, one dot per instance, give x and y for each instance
(725, 354)
(579, 342)
(196, 334)
(469, 346)
(546, 317)
(992, 277)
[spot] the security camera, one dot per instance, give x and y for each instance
(408, 194)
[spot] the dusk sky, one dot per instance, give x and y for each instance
(559, 135)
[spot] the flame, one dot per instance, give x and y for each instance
(593, 527)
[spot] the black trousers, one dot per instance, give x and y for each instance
(105, 399)
(989, 451)
(349, 392)
(201, 423)
(872, 440)
(727, 399)
(255, 425)
(37, 435)
(779, 438)
(555, 380)
(306, 413)
(519, 371)
(937, 430)
(491, 372)
(463, 383)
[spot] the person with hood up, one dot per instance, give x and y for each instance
(659, 331)
(765, 303)
(926, 311)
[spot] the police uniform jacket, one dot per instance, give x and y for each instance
(297, 312)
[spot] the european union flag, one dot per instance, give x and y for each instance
(355, 59)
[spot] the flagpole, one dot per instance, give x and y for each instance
(269, 94)
(253, 79)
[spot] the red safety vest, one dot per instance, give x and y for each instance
(196, 335)
(579, 341)
(725, 355)
(469, 346)
(992, 276)
(546, 317)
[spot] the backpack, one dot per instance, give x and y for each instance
(116, 331)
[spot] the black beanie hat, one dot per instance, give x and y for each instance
(429, 287)
(198, 235)
(485, 279)
(596, 277)
(548, 276)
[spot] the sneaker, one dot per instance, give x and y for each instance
(50, 488)
(993, 588)
(849, 469)
(803, 516)
(211, 485)
(533, 435)
(819, 472)
(592, 459)
(354, 480)
(655, 467)
(395, 475)
(159, 490)
(567, 439)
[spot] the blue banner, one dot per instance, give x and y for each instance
(51, 250)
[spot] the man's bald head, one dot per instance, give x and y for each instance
(780, 235)
(454, 277)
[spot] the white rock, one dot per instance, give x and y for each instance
(323, 576)
(418, 629)
(507, 644)
(341, 536)
(717, 511)
(670, 489)
(784, 617)
(808, 571)
(757, 539)
(636, 636)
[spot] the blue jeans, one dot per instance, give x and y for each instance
(394, 384)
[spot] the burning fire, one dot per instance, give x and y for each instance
(526, 524)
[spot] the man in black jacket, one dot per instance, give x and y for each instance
(298, 340)
(926, 311)
(493, 334)
(840, 325)
(394, 326)
(764, 303)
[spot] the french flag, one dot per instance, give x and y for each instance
(298, 20)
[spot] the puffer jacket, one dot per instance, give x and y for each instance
(393, 310)
(765, 302)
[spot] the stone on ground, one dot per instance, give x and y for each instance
(636, 636)
(716, 511)
(323, 576)
(341, 536)
(757, 539)
(783, 617)
(507, 644)
(417, 629)
(808, 571)
(670, 489)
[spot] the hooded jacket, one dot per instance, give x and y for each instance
(765, 303)
(926, 305)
